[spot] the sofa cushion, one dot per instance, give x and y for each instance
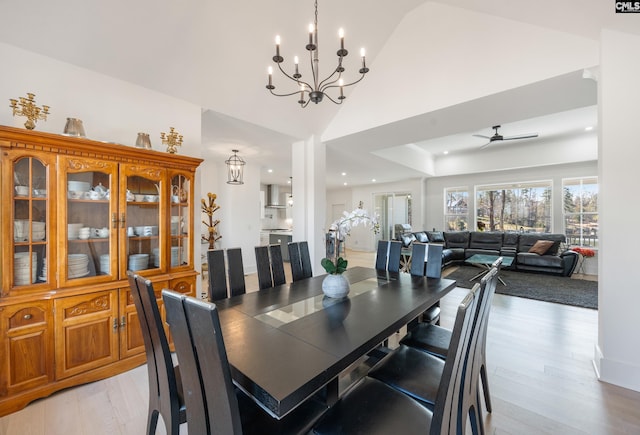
(407, 239)
(530, 259)
(470, 252)
(541, 247)
(435, 236)
(456, 239)
(490, 241)
(421, 237)
(510, 240)
(526, 241)
(452, 255)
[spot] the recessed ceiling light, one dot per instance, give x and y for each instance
(344, 174)
(588, 128)
(445, 152)
(270, 170)
(344, 184)
(373, 180)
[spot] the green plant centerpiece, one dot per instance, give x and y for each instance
(335, 285)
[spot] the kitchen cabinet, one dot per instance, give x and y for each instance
(77, 215)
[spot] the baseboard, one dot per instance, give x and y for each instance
(616, 372)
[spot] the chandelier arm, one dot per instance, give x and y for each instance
(284, 95)
(298, 81)
(346, 84)
(332, 100)
(326, 83)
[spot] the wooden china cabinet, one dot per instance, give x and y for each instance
(76, 215)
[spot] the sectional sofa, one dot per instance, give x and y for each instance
(532, 252)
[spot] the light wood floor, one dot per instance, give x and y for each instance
(539, 357)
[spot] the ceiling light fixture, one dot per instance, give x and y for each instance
(235, 169)
(316, 89)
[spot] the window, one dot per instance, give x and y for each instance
(580, 207)
(514, 207)
(456, 210)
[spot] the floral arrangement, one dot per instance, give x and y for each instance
(585, 252)
(342, 227)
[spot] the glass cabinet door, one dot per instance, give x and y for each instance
(31, 193)
(181, 193)
(142, 202)
(90, 220)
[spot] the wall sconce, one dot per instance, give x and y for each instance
(235, 169)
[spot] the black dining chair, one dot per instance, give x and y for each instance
(418, 374)
(165, 387)
(299, 260)
(214, 405)
(382, 255)
(263, 266)
(435, 339)
(395, 251)
(217, 275)
(418, 268)
(373, 407)
(277, 265)
(236, 272)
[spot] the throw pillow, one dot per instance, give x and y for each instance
(541, 246)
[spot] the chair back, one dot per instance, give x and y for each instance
(277, 265)
(217, 275)
(264, 267)
(434, 261)
(395, 249)
(295, 261)
(447, 418)
(189, 368)
(163, 385)
(418, 252)
(305, 259)
(222, 405)
(382, 255)
(299, 260)
(236, 272)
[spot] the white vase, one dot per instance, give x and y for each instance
(335, 286)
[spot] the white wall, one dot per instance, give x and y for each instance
(111, 110)
(617, 354)
(361, 238)
(472, 44)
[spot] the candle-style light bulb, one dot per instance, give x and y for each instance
(341, 84)
(278, 45)
(297, 72)
(311, 29)
(295, 60)
(362, 53)
(270, 72)
(341, 36)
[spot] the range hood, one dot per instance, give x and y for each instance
(273, 197)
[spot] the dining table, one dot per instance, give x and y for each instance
(286, 343)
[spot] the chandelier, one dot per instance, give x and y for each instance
(315, 89)
(235, 169)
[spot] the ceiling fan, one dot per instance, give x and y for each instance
(498, 137)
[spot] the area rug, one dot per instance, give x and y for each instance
(548, 288)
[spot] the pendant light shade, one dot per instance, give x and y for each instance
(235, 169)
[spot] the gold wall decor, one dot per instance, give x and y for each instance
(171, 140)
(29, 109)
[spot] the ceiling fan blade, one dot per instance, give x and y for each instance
(486, 145)
(481, 135)
(521, 136)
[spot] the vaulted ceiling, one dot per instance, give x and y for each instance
(215, 54)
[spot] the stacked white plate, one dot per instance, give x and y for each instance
(24, 273)
(175, 256)
(38, 229)
(155, 253)
(77, 265)
(104, 264)
(138, 261)
(73, 230)
(43, 277)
